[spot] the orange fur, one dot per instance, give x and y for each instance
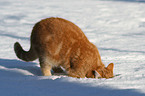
(58, 42)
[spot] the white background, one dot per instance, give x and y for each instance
(116, 27)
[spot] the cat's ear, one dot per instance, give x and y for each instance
(97, 74)
(110, 67)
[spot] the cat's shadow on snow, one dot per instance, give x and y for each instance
(12, 66)
(20, 67)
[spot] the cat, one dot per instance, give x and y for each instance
(60, 43)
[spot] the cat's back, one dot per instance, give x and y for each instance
(57, 29)
(58, 26)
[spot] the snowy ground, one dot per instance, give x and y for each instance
(116, 27)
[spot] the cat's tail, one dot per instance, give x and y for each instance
(25, 55)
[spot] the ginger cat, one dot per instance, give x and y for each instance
(58, 42)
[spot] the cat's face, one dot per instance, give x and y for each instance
(106, 72)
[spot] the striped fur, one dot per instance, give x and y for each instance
(57, 42)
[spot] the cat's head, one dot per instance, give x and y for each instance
(106, 72)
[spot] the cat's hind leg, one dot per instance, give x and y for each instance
(45, 67)
(57, 70)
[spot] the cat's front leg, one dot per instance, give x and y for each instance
(75, 73)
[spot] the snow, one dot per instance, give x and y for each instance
(116, 27)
